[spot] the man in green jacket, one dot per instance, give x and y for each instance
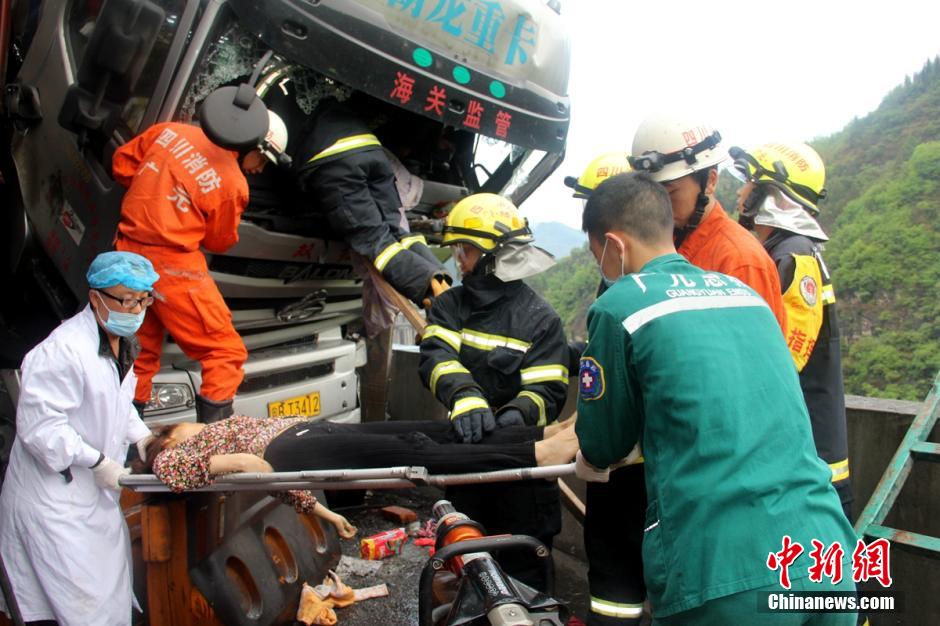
(691, 366)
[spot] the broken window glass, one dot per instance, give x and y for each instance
(232, 56)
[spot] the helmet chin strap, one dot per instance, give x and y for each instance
(679, 234)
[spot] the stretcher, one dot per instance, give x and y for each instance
(403, 477)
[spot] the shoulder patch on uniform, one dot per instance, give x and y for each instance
(590, 379)
(809, 290)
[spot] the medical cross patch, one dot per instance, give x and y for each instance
(590, 379)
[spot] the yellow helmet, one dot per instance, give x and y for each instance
(796, 169)
(601, 167)
(487, 221)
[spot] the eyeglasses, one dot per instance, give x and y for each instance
(128, 302)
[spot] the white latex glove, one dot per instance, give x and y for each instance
(634, 457)
(108, 472)
(142, 447)
(586, 471)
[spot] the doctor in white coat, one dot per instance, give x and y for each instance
(62, 533)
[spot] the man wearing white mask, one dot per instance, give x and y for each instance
(62, 533)
(784, 183)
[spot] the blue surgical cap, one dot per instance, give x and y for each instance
(121, 268)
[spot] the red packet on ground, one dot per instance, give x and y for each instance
(382, 545)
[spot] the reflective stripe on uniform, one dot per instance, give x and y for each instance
(465, 405)
(450, 337)
(616, 609)
(544, 373)
(486, 341)
(828, 294)
(539, 402)
(412, 240)
(840, 470)
(386, 255)
(667, 307)
(345, 145)
(442, 369)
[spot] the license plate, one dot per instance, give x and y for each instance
(308, 406)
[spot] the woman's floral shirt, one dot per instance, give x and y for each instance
(186, 465)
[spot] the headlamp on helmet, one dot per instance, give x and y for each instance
(671, 146)
(599, 169)
(487, 221)
(653, 161)
(796, 170)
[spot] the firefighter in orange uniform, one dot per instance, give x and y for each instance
(683, 155)
(185, 193)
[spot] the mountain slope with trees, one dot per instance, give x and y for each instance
(882, 213)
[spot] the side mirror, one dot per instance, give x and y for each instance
(234, 118)
(114, 60)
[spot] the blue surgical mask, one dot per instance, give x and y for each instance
(121, 324)
(608, 282)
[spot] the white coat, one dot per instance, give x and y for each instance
(65, 545)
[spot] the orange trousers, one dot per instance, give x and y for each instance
(188, 305)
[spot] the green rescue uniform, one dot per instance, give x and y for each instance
(693, 366)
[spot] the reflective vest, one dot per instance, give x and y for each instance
(813, 340)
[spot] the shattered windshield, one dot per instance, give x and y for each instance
(490, 164)
(233, 55)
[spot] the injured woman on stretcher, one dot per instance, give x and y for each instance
(189, 455)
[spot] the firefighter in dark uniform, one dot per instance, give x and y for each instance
(616, 504)
(344, 172)
(784, 183)
(495, 354)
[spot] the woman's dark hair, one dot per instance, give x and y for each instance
(162, 437)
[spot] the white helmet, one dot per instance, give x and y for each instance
(669, 147)
(275, 140)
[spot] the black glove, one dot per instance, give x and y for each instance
(471, 426)
(510, 417)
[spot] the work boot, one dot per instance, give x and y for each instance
(208, 411)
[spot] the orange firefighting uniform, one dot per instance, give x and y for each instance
(183, 192)
(719, 244)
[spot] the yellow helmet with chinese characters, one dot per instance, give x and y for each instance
(487, 221)
(600, 168)
(796, 169)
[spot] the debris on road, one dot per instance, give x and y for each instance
(399, 514)
(352, 566)
(382, 545)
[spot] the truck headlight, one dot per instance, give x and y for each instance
(165, 396)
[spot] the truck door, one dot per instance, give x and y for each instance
(101, 70)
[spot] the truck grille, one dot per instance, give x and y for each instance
(262, 382)
(281, 270)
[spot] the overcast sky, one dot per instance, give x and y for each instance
(758, 71)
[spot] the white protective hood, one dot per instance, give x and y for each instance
(517, 260)
(779, 211)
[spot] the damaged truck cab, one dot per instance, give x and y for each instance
(466, 96)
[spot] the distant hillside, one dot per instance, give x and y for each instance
(557, 238)
(570, 287)
(882, 214)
